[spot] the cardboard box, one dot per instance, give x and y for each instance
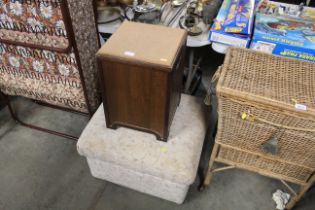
(284, 9)
(284, 35)
(226, 28)
(240, 17)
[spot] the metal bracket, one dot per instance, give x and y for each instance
(16, 118)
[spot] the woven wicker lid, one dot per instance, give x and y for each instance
(275, 81)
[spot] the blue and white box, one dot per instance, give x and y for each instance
(286, 36)
(233, 24)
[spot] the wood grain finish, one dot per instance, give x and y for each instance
(141, 96)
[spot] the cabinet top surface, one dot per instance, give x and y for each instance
(144, 43)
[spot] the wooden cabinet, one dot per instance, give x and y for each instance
(141, 68)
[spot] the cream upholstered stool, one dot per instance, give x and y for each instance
(136, 160)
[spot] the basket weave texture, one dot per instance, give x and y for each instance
(267, 88)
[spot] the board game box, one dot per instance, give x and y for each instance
(284, 35)
(239, 18)
(231, 18)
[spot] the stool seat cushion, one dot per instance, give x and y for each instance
(176, 160)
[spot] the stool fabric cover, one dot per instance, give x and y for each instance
(134, 159)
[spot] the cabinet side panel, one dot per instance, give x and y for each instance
(135, 96)
(176, 79)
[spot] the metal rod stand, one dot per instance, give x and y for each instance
(16, 118)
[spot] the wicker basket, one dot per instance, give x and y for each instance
(265, 166)
(267, 101)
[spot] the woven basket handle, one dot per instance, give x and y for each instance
(211, 89)
(271, 146)
(246, 116)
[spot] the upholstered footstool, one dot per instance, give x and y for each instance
(136, 160)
